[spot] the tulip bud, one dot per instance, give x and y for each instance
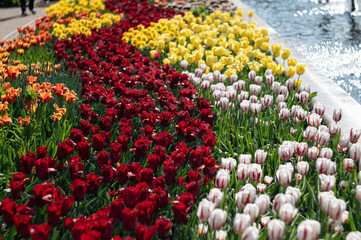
(242, 96)
(284, 91)
(245, 158)
(290, 83)
(222, 179)
(217, 219)
(294, 192)
(198, 72)
(319, 109)
(205, 85)
(354, 135)
(333, 129)
(327, 182)
(284, 177)
(343, 185)
(221, 235)
(255, 172)
(308, 230)
(303, 97)
(258, 80)
(245, 106)
(355, 152)
(281, 199)
(343, 141)
(215, 196)
(253, 99)
(310, 133)
(223, 78)
(322, 165)
(239, 85)
(260, 156)
(337, 207)
(314, 120)
(261, 187)
(301, 148)
(262, 202)
(268, 100)
(326, 153)
(324, 199)
(232, 93)
(252, 75)
(312, 153)
(245, 197)
(268, 180)
(306, 88)
(287, 212)
(301, 114)
(285, 152)
(265, 221)
(270, 79)
(224, 103)
(241, 222)
(252, 210)
(323, 138)
(337, 114)
(358, 193)
(203, 67)
(302, 168)
(348, 164)
(204, 210)
(276, 229)
(196, 81)
(229, 163)
(251, 233)
(233, 78)
(242, 171)
(276, 87)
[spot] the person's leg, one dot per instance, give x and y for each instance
(31, 6)
(23, 6)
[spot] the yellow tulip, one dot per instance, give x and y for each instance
(298, 82)
(276, 49)
(291, 71)
(166, 61)
(239, 13)
(250, 13)
(265, 46)
(280, 68)
(301, 69)
(285, 53)
(152, 54)
(291, 62)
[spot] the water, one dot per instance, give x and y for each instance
(328, 35)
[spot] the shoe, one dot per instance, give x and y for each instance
(33, 12)
(24, 14)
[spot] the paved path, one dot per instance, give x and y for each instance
(11, 18)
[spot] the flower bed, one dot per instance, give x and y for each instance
(226, 149)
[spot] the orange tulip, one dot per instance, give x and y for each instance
(46, 96)
(24, 122)
(5, 120)
(31, 80)
(56, 116)
(13, 72)
(4, 107)
(70, 97)
(12, 94)
(46, 86)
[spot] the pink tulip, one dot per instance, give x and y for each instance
(254, 99)
(276, 229)
(312, 153)
(327, 182)
(205, 85)
(215, 196)
(255, 108)
(254, 89)
(202, 229)
(302, 168)
(310, 133)
(242, 96)
(233, 78)
(324, 199)
(337, 114)
(343, 185)
(314, 120)
(326, 153)
(284, 177)
(301, 148)
(217, 219)
(281, 199)
(184, 64)
(303, 97)
(204, 210)
(242, 171)
(348, 164)
(308, 230)
(268, 72)
(251, 233)
(224, 103)
(262, 202)
(265, 221)
(285, 152)
(343, 141)
(216, 75)
(221, 235)
(301, 115)
(323, 138)
(290, 84)
(245, 197)
(337, 207)
(239, 85)
(261, 187)
(217, 95)
(260, 156)
(284, 91)
(222, 179)
(353, 236)
(322, 165)
(358, 193)
(229, 163)
(284, 114)
(268, 100)
(252, 75)
(276, 87)
(287, 212)
(245, 106)
(223, 78)
(198, 72)
(319, 109)
(258, 80)
(268, 180)
(294, 192)
(270, 79)
(280, 99)
(255, 172)
(354, 135)
(355, 152)
(253, 210)
(333, 129)
(241, 222)
(245, 158)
